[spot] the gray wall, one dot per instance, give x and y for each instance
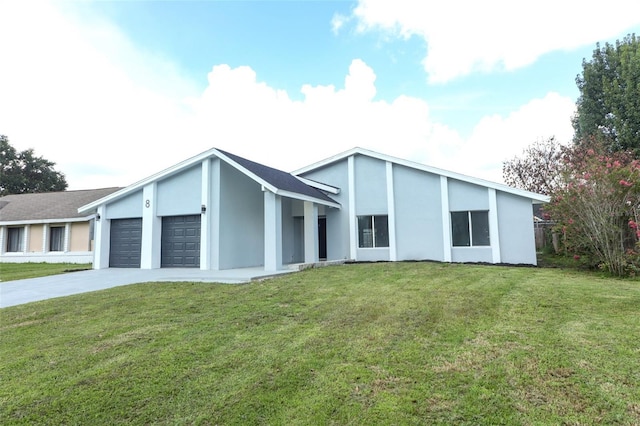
(180, 194)
(337, 219)
(292, 233)
(418, 214)
(371, 186)
(467, 196)
(515, 224)
(126, 207)
(241, 220)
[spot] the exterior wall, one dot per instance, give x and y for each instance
(371, 184)
(241, 220)
(292, 231)
(418, 213)
(79, 238)
(127, 207)
(336, 175)
(180, 194)
(36, 248)
(517, 241)
(465, 196)
(36, 239)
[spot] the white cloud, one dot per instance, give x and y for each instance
(469, 36)
(81, 94)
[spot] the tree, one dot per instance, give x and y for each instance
(609, 101)
(538, 169)
(23, 172)
(597, 207)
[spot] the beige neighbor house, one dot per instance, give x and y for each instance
(47, 227)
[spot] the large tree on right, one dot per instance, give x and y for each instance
(609, 103)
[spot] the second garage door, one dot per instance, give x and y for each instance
(126, 243)
(180, 242)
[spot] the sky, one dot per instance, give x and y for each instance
(115, 91)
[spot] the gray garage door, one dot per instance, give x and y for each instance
(180, 242)
(126, 243)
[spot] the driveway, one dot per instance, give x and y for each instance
(33, 289)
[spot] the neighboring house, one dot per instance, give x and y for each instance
(47, 227)
(220, 211)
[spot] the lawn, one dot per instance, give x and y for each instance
(20, 271)
(386, 343)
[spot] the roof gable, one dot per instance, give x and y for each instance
(274, 180)
(538, 198)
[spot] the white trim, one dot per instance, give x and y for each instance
(102, 240)
(391, 213)
(26, 239)
(302, 197)
(44, 221)
(446, 218)
(45, 237)
(494, 232)
(3, 242)
(476, 181)
(321, 186)
(353, 230)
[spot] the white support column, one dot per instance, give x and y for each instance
(214, 214)
(310, 232)
(494, 231)
(26, 238)
(45, 238)
(446, 218)
(151, 229)
(205, 217)
(353, 226)
(67, 237)
(102, 239)
(391, 214)
(272, 231)
(3, 239)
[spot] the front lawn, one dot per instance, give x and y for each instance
(20, 271)
(387, 343)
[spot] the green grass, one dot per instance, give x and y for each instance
(388, 343)
(20, 271)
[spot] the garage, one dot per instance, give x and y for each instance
(180, 242)
(125, 243)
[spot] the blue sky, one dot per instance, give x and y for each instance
(115, 91)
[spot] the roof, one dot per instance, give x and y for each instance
(536, 198)
(274, 180)
(48, 206)
(279, 179)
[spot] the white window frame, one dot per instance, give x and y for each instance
(470, 229)
(21, 243)
(61, 240)
(373, 231)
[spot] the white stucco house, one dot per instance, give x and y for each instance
(220, 211)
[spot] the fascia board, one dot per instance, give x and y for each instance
(43, 221)
(318, 185)
(302, 197)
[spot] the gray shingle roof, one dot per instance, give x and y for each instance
(48, 205)
(281, 180)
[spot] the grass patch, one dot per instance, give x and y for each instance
(388, 343)
(20, 271)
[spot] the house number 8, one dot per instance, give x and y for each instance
(147, 204)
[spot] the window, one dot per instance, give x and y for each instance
(56, 238)
(470, 228)
(15, 238)
(373, 231)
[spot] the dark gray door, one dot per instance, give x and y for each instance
(125, 243)
(180, 242)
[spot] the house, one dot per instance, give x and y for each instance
(221, 211)
(47, 227)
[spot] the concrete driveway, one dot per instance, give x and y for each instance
(33, 289)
